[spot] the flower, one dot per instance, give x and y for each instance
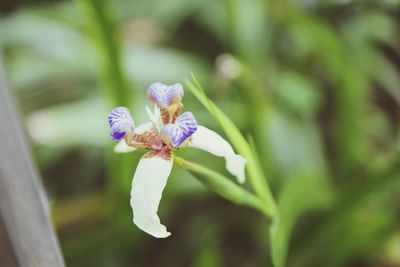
(167, 131)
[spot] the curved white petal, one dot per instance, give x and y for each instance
(122, 147)
(208, 140)
(148, 183)
(143, 128)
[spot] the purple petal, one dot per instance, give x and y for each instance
(163, 95)
(173, 94)
(120, 121)
(187, 124)
(184, 126)
(172, 134)
(155, 92)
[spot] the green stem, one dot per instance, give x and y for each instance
(222, 185)
(230, 7)
(102, 26)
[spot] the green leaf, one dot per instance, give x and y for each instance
(300, 194)
(222, 185)
(238, 141)
(356, 216)
(247, 28)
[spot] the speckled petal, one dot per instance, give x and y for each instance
(120, 121)
(122, 146)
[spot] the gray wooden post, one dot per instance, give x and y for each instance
(23, 203)
(7, 257)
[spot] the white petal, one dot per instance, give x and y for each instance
(143, 128)
(148, 183)
(235, 164)
(155, 118)
(122, 146)
(149, 113)
(208, 140)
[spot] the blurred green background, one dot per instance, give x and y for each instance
(315, 86)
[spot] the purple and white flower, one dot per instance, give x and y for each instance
(167, 131)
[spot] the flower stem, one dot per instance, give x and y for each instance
(102, 26)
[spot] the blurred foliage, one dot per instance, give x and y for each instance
(314, 86)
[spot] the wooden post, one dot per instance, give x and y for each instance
(23, 203)
(7, 257)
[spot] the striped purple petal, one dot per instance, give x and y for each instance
(120, 121)
(155, 92)
(171, 134)
(173, 94)
(184, 126)
(163, 95)
(187, 123)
